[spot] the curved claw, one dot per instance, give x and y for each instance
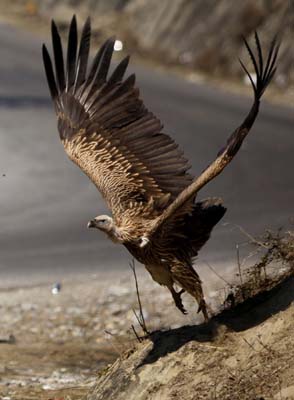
(202, 307)
(178, 300)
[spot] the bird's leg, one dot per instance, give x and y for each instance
(177, 299)
(202, 307)
(188, 278)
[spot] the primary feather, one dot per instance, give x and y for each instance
(109, 133)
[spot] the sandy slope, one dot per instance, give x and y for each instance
(61, 342)
(244, 357)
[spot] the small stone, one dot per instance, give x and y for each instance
(56, 288)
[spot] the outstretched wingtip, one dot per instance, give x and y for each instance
(73, 20)
(119, 71)
(54, 30)
(49, 72)
(87, 25)
(264, 71)
(71, 53)
(83, 55)
(58, 56)
(248, 74)
(53, 24)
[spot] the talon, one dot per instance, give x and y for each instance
(178, 300)
(181, 307)
(202, 307)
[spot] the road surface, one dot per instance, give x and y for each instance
(46, 201)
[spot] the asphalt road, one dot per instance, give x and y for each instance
(45, 201)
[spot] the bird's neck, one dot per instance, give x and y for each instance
(117, 235)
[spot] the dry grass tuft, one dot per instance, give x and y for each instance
(274, 266)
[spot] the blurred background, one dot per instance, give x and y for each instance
(185, 55)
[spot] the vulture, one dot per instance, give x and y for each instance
(140, 171)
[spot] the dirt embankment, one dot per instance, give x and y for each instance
(54, 344)
(248, 356)
(57, 342)
(245, 352)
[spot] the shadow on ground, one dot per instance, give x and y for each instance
(250, 313)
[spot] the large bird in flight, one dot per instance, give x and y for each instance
(139, 170)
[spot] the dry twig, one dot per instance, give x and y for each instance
(140, 318)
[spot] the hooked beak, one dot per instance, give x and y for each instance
(91, 224)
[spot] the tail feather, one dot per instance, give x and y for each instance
(198, 226)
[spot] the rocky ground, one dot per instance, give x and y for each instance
(247, 357)
(245, 352)
(52, 346)
(60, 342)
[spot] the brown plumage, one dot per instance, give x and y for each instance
(140, 171)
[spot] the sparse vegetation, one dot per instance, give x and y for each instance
(274, 265)
(213, 361)
(139, 316)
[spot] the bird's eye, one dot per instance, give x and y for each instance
(102, 221)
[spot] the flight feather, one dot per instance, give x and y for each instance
(107, 130)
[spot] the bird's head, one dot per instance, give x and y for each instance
(103, 223)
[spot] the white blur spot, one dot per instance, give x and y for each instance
(247, 81)
(118, 45)
(56, 288)
(144, 241)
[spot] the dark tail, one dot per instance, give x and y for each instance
(206, 214)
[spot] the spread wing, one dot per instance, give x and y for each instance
(108, 132)
(265, 69)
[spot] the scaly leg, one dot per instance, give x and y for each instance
(177, 299)
(189, 280)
